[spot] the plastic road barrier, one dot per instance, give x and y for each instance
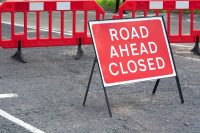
(51, 14)
(178, 29)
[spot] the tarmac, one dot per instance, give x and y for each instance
(49, 91)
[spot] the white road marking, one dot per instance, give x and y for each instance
(194, 59)
(179, 45)
(20, 122)
(41, 28)
(8, 95)
(33, 27)
(184, 52)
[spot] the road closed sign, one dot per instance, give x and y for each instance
(132, 50)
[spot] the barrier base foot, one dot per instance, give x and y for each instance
(18, 55)
(79, 54)
(196, 48)
(79, 51)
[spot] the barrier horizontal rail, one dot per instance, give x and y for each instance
(23, 9)
(184, 33)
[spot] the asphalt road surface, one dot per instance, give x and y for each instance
(46, 94)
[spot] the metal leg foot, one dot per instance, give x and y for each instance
(179, 89)
(108, 104)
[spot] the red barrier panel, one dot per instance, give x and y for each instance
(57, 13)
(184, 27)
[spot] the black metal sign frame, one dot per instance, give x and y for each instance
(156, 84)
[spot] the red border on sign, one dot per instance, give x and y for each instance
(171, 73)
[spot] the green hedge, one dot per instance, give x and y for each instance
(108, 4)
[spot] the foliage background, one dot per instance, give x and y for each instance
(108, 4)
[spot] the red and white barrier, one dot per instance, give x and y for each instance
(169, 6)
(49, 6)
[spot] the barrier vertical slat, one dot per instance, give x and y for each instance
(25, 24)
(168, 22)
(12, 25)
(0, 27)
(50, 24)
(103, 17)
(38, 25)
(73, 23)
(157, 12)
(97, 15)
(85, 21)
(62, 24)
(180, 23)
(133, 14)
(145, 13)
(192, 21)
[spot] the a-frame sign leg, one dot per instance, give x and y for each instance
(88, 87)
(110, 112)
(179, 89)
(155, 87)
(178, 85)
